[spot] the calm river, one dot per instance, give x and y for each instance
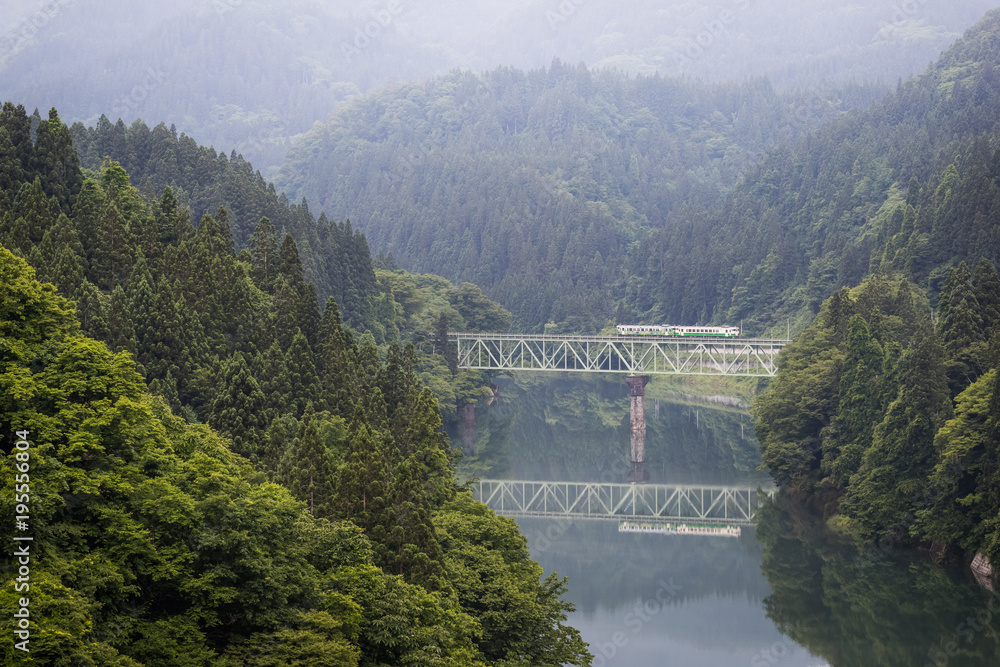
(783, 593)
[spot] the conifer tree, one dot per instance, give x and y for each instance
(986, 287)
(888, 488)
(443, 346)
(962, 329)
(121, 331)
(272, 375)
(87, 218)
(264, 255)
(336, 361)
(57, 163)
(302, 375)
(238, 409)
(859, 407)
(34, 216)
(307, 471)
(112, 256)
(90, 311)
(141, 305)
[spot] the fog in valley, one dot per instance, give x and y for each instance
(250, 75)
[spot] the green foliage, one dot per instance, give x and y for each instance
(159, 545)
(540, 186)
(494, 577)
(895, 457)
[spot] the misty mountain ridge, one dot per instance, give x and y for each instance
(254, 75)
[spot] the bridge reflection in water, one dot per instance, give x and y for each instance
(673, 503)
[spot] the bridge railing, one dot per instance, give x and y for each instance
(731, 505)
(619, 354)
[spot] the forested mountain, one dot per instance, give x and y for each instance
(334, 257)
(155, 544)
(885, 409)
(910, 184)
(575, 197)
(891, 421)
(540, 186)
(252, 74)
(314, 520)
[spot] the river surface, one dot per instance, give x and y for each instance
(784, 592)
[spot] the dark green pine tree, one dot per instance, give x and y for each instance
(890, 485)
(121, 331)
(986, 287)
(367, 366)
(166, 387)
(264, 255)
(302, 375)
(225, 230)
(238, 409)
(60, 258)
(11, 175)
(87, 218)
(90, 311)
(362, 480)
(432, 457)
(284, 312)
(961, 328)
(397, 380)
(56, 162)
(112, 256)
(172, 224)
(443, 346)
(305, 469)
(272, 375)
(15, 120)
(336, 362)
(304, 303)
(142, 311)
(34, 217)
(859, 406)
(407, 545)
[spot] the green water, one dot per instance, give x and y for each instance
(784, 593)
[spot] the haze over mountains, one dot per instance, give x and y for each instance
(252, 75)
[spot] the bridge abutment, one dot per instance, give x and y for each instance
(637, 420)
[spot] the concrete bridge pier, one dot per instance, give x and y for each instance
(637, 420)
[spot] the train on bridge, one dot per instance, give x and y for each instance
(673, 330)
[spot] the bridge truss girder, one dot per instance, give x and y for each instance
(619, 354)
(648, 502)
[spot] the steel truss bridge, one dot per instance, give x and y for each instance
(725, 505)
(633, 355)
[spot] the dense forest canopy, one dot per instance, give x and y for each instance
(542, 186)
(576, 198)
(253, 74)
(221, 472)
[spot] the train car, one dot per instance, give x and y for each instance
(699, 331)
(641, 330)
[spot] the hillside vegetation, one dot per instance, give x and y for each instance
(312, 517)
